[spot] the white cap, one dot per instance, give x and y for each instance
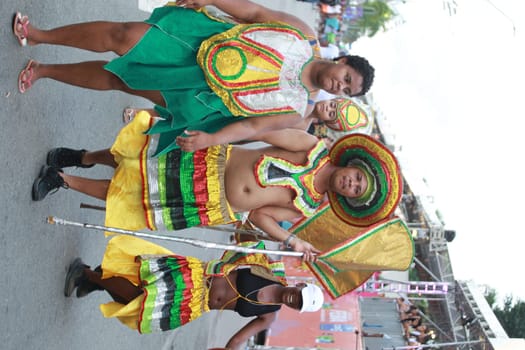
(313, 298)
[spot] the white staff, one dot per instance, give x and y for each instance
(195, 242)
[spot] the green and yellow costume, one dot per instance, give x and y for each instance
(209, 70)
(170, 192)
(274, 171)
(175, 288)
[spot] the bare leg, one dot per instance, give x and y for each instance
(99, 157)
(122, 290)
(91, 187)
(90, 75)
(92, 36)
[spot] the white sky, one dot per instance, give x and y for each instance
(451, 89)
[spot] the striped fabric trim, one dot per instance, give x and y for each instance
(186, 174)
(297, 177)
(185, 189)
(240, 67)
(175, 292)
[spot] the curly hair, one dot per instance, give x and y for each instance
(363, 67)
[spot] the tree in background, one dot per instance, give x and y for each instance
(511, 316)
(373, 16)
(490, 296)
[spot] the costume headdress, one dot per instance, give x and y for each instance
(349, 116)
(385, 183)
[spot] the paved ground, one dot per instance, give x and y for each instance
(35, 255)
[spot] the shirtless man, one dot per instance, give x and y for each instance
(180, 189)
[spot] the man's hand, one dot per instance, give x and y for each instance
(308, 250)
(195, 140)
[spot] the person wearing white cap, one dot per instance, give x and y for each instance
(155, 290)
(313, 298)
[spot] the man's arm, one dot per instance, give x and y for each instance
(242, 130)
(294, 140)
(267, 218)
(304, 124)
(253, 327)
(250, 12)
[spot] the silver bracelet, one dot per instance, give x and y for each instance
(287, 241)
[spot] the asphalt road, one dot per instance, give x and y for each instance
(35, 255)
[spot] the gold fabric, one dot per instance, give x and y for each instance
(352, 254)
(386, 246)
(127, 314)
(124, 199)
(325, 229)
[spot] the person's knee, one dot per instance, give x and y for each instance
(115, 83)
(126, 35)
(119, 32)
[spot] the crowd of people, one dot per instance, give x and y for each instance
(414, 330)
(330, 26)
(330, 23)
(254, 74)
